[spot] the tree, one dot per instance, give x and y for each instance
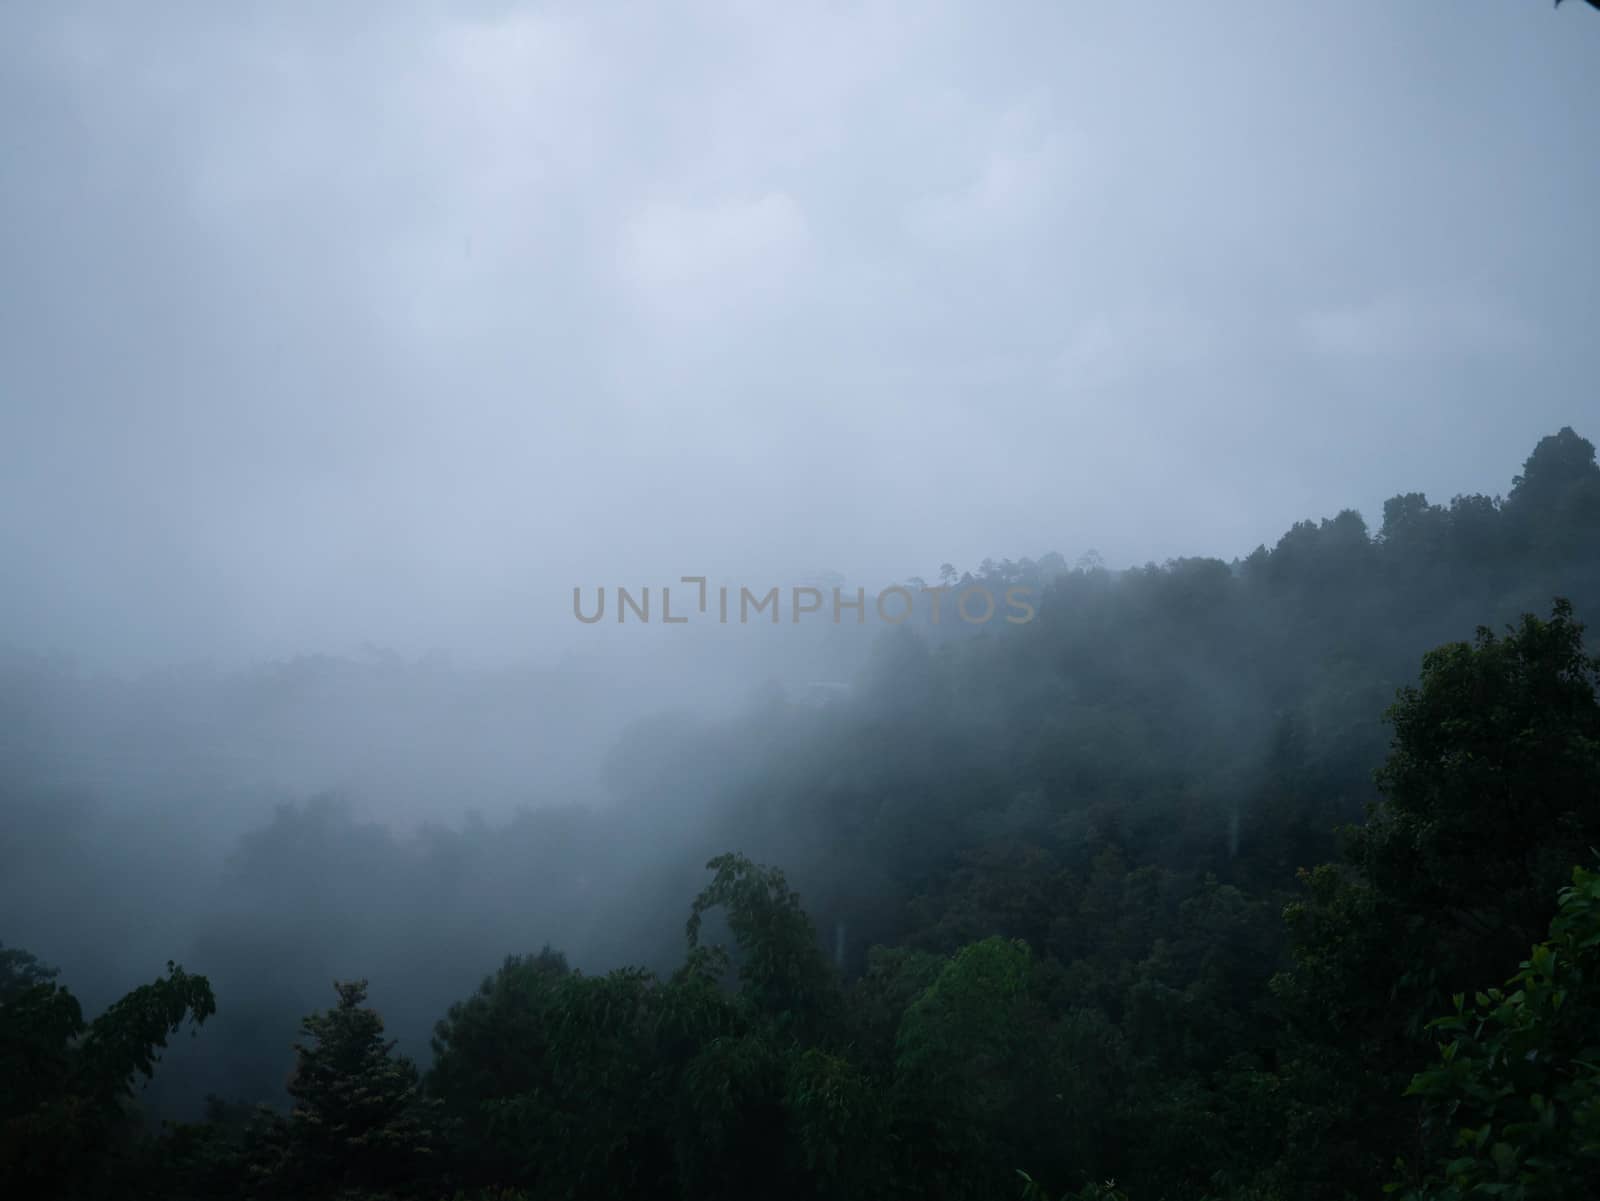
(20, 970)
(65, 1084)
(359, 1120)
(624, 1085)
(1488, 800)
(785, 976)
(558, 1082)
(971, 1071)
(1555, 503)
(1498, 747)
(1515, 1095)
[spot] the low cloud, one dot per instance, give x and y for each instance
(1418, 324)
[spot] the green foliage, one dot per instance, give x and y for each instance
(895, 976)
(589, 1087)
(785, 977)
(972, 1085)
(964, 1009)
(1488, 801)
(1516, 1091)
(359, 1121)
(65, 1084)
(1105, 1190)
(1501, 745)
(552, 1080)
(838, 1121)
(21, 970)
(123, 1041)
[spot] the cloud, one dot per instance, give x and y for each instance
(323, 316)
(715, 256)
(1418, 324)
(1007, 168)
(1010, 191)
(1106, 350)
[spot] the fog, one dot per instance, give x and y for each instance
(341, 346)
(322, 330)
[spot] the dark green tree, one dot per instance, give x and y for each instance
(1514, 1098)
(1489, 798)
(359, 1120)
(785, 977)
(66, 1122)
(21, 970)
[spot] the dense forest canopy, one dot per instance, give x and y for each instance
(1176, 891)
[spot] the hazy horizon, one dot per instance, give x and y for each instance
(321, 331)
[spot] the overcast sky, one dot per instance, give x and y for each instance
(332, 323)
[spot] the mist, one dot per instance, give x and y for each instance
(351, 356)
(322, 331)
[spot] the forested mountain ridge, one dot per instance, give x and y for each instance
(1064, 898)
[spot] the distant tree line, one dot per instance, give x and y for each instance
(1194, 888)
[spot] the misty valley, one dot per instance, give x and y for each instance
(1253, 879)
(1130, 726)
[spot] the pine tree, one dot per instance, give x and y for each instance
(359, 1120)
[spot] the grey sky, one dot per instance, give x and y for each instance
(329, 324)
